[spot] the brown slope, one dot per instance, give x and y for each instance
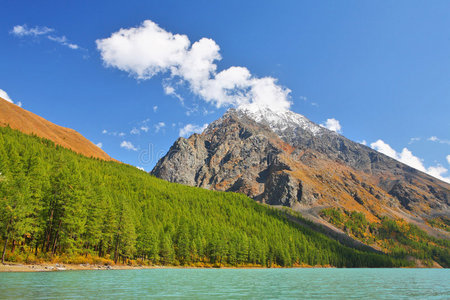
(29, 123)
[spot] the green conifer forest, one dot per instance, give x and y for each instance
(55, 203)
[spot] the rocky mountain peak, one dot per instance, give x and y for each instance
(279, 121)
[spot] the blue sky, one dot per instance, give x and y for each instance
(380, 68)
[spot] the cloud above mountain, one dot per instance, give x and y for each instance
(333, 125)
(149, 50)
(408, 158)
(5, 96)
(191, 128)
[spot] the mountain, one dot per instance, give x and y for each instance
(283, 159)
(59, 206)
(18, 118)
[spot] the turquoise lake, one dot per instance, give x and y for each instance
(229, 284)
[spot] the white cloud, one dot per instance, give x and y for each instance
(155, 108)
(100, 144)
(5, 96)
(159, 126)
(333, 125)
(128, 145)
(147, 50)
(113, 133)
(63, 41)
(145, 128)
(23, 30)
(192, 128)
(438, 140)
(135, 131)
(384, 148)
(363, 142)
(408, 158)
(140, 168)
(448, 159)
(438, 172)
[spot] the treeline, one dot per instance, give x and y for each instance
(54, 202)
(397, 237)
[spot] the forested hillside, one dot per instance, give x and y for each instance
(56, 203)
(396, 237)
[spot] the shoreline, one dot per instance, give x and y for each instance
(55, 267)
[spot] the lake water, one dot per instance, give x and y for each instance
(230, 284)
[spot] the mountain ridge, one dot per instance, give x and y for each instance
(27, 122)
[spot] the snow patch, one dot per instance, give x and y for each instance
(280, 120)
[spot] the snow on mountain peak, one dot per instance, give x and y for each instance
(279, 120)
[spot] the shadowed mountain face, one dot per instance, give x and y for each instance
(282, 158)
(18, 118)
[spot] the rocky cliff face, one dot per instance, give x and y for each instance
(282, 158)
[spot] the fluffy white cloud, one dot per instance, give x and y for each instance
(128, 145)
(363, 142)
(5, 96)
(147, 50)
(439, 172)
(24, 30)
(140, 168)
(448, 159)
(408, 158)
(145, 128)
(100, 144)
(155, 108)
(192, 128)
(384, 148)
(143, 51)
(333, 125)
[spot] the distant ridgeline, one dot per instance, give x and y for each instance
(61, 206)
